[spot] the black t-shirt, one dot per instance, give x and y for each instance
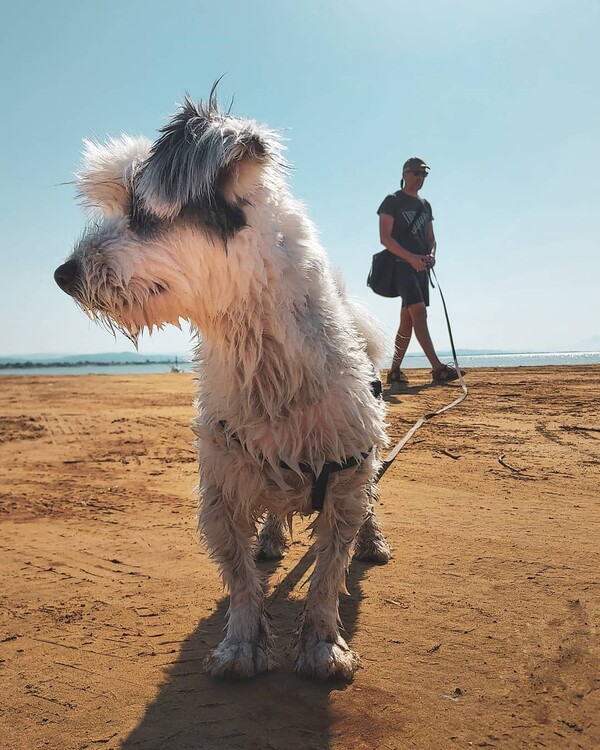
(403, 208)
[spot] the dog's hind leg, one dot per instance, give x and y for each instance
(371, 545)
(321, 650)
(246, 649)
(272, 539)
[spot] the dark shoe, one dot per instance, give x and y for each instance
(397, 377)
(445, 374)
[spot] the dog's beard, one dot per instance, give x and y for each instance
(127, 310)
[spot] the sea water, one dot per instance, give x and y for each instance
(517, 359)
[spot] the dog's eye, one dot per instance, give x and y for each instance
(142, 222)
(158, 288)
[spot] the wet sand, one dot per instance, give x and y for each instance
(481, 632)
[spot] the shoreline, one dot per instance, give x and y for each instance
(468, 359)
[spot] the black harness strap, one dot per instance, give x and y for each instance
(319, 483)
(377, 388)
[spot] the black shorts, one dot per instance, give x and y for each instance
(412, 285)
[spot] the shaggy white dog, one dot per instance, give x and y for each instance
(200, 225)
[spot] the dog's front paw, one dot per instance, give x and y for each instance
(375, 550)
(328, 661)
(370, 544)
(238, 659)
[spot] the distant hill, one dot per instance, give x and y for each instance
(109, 358)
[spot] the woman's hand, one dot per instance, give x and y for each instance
(419, 262)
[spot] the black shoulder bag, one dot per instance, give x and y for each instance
(382, 276)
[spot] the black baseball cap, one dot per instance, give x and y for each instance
(414, 163)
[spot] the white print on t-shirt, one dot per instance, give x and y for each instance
(408, 216)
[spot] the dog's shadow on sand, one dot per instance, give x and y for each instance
(275, 711)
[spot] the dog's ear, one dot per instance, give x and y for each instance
(203, 152)
(105, 177)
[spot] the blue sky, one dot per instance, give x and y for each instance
(501, 99)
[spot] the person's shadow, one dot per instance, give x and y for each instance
(274, 711)
(394, 396)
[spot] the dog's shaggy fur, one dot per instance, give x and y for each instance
(200, 225)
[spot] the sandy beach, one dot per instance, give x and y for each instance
(481, 632)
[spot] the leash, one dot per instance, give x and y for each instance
(391, 456)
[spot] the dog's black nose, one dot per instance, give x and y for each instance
(66, 276)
